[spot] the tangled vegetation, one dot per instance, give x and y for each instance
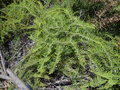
(65, 42)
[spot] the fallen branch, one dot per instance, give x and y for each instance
(16, 80)
(4, 77)
(11, 76)
(62, 82)
(2, 62)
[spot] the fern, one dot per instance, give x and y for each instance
(63, 43)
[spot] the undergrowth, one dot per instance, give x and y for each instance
(63, 43)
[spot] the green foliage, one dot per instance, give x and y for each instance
(63, 43)
(16, 16)
(117, 8)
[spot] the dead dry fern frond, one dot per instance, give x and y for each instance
(104, 22)
(101, 18)
(106, 7)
